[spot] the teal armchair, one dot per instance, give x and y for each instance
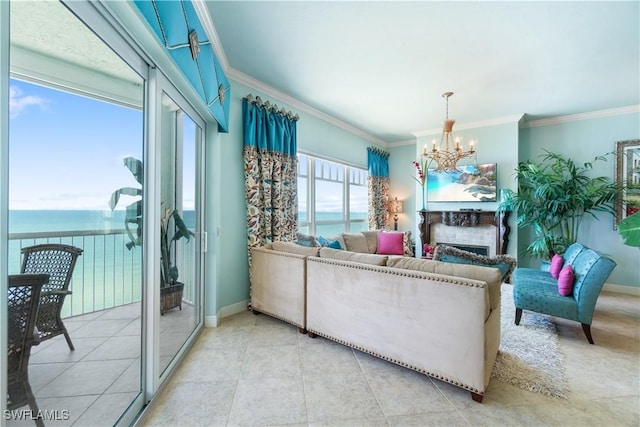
(537, 290)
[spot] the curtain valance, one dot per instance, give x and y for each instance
(268, 128)
(378, 162)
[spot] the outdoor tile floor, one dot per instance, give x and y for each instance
(97, 381)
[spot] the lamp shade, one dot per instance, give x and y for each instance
(395, 206)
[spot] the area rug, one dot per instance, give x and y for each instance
(529, 356)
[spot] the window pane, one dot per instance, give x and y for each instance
(329, 230)
(355, 227)
(302, 200)
(303, 169)
(329, 201)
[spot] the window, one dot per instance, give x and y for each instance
(332, 197)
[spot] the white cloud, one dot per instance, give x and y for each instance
(18, 102)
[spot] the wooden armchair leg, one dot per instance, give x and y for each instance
(587, 331)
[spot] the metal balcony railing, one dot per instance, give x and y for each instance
(107, 274)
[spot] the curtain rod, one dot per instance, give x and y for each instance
(271, 108)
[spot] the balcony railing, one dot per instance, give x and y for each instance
(107, 274)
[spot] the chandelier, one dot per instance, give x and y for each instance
(446, 160)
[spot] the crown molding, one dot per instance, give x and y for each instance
(272, 92)
(473, 125)
(401, 143)
(207, 23)
(582, 116)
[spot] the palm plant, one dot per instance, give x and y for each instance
(553, 197)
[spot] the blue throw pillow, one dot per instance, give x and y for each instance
(333, 244)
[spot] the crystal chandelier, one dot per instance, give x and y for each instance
(447, 160)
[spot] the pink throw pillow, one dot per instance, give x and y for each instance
(556, 266)
(390, 243)
(565, 281)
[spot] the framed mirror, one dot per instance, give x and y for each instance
(628, 174)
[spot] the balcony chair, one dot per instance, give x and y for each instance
(23, 298)
(537, 290)
(58, 261)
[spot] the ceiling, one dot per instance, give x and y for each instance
(381, 67)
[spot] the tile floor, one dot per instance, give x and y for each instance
(255, 370)
(96, 382)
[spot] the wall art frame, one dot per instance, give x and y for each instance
(628, 176)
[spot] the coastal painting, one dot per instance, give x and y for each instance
(471, 183)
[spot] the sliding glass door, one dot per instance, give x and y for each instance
(181, 154)
(76, 146)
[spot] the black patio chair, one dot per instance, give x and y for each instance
(58, 261)
(23, 299)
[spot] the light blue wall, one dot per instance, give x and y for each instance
(315, 136)
(402, 186)
(582, 140)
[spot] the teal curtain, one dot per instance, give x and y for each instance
(378, 164)
(271, 172)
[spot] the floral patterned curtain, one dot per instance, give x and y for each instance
(270, 172)
(378, 163)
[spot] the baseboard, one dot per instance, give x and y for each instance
(621, 289)
(229, 310)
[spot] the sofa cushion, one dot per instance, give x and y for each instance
(491, 276)
(565, 281)
(355, 242)
(294, 248)
(556, 265)
(372, 240)
(372, 259)
(390, 243)
(505, 263)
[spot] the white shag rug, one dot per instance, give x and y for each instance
(529, 356)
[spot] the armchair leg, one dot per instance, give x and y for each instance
(518, 315)
(587, 331)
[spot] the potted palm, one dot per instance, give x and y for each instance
(553, 197)
(172, 229)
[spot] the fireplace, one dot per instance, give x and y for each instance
(470, 228)
(480, 250)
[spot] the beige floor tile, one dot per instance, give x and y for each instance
(269, 401)
(106, 410)
(211, 365)
(194, 404)
(444, 419)
(75, 380)
(338, 396)
(270, 362)
(320, 356)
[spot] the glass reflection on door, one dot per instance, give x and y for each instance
(180, 257)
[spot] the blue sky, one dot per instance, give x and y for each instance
(66, 150)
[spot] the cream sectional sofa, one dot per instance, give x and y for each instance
(438, 318)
